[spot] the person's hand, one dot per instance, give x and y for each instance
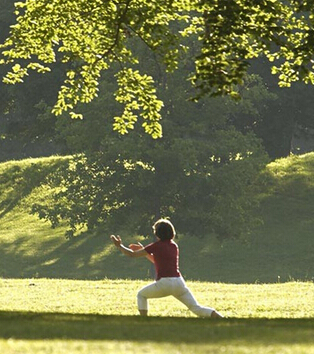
(136, 246)
(116, 240)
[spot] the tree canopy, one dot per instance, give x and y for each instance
(89, 37)
(205, 170)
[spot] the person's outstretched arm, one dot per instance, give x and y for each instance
(139, 246)
(125, 250)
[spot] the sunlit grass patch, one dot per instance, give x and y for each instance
(118, 297)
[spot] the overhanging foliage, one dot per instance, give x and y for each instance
(89, 37)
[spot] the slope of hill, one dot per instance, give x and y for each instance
(280, 250)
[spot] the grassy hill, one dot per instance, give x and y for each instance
(280, 250)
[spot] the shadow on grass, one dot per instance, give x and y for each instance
(79, 258)
(40, 326)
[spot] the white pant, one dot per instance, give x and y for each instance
(175, 287)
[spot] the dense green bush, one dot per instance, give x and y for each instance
(202, 186)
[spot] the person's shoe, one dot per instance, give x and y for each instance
(216, 314)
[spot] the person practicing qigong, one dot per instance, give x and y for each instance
(164, 253)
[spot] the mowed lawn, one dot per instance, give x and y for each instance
(76, 316)
(41, 315)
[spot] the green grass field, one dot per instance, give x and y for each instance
(62, 296)
(72, 316)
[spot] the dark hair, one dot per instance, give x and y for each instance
(164, 230)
